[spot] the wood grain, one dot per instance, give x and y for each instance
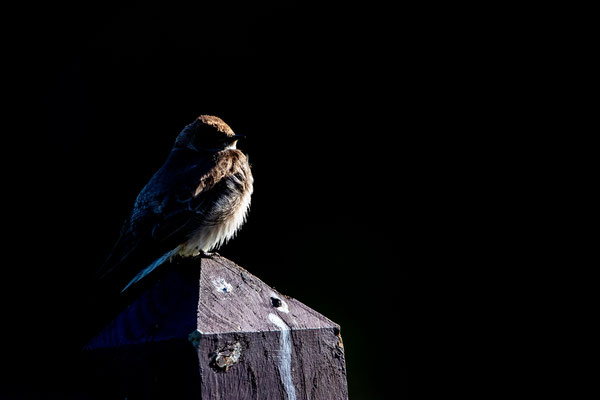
(208, 329)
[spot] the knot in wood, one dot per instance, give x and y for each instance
(224, 357)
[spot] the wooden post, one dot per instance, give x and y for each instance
(215, 331)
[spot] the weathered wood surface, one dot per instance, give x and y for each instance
(218, 332)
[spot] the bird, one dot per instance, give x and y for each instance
(196, 201)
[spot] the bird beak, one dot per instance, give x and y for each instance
(236, 137)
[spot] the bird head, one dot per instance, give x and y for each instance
(207, 133)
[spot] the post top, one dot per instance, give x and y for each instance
(206, 296)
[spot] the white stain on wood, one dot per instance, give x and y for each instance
(222, 286)
(285, 356)
(283, 307)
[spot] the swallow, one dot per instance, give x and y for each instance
(195, 202)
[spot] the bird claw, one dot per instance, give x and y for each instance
(206, 254)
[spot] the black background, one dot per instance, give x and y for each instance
(98, 91)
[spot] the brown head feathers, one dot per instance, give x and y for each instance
(216, 123)
(208, 133)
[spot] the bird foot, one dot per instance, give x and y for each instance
(207, 254)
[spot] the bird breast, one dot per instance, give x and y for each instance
(231, 185)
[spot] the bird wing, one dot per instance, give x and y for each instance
(152, 231)
(134, 234)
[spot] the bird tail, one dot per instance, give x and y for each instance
(155, 264)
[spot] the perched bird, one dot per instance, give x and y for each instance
(193, 204)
